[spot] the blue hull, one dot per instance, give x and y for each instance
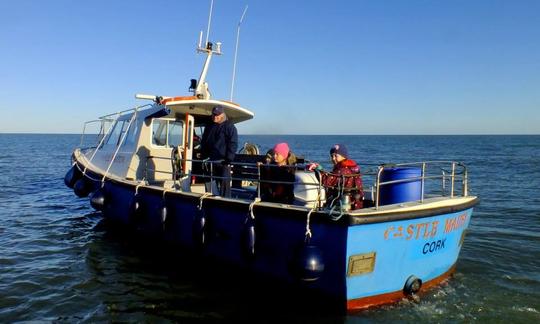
(366, 261)
(426, 248)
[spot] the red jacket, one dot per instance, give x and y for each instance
(341, 177)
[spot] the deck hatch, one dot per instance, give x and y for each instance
(361, 264)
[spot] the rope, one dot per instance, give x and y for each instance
(331, 212)
(164, 192)
(257, 200)
(204, 195)
(308, 229)
(137, 188)
(333, 205)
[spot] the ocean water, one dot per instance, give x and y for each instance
(60, 262)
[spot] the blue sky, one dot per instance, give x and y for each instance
(305, 67)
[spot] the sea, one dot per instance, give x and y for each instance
(59, 261)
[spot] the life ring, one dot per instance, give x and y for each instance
(171, 99)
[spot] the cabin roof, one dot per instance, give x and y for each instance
(203, 108)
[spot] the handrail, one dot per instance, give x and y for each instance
(97, 147)
(118, 146)
(453, 178)
(423, 177)
(430, 171)
(102, 131)
(104, 119)
(119, 113)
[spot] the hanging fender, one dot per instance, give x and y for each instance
(72, 176)
(98, 199)
(248, 233)
(162, 214)
(249, 237)
(308, 264)
(82, 188)
(199, 229)
(135, 210)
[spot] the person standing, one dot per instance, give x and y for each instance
(219, 144)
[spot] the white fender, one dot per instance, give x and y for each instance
(306, 190)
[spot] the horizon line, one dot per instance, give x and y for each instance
(251, 134)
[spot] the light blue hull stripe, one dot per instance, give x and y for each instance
(425, 247)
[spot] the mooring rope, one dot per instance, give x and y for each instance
(204, 195)
(256, 201)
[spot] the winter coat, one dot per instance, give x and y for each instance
(219, 141)
(277, 192)
(341, 178)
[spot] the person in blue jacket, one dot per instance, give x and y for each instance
(219, 143)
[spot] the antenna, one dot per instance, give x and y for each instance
(209, 21)
(201, 89)
(236, 51)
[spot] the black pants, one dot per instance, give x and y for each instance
(223, 182)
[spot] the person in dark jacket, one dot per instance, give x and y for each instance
(278, 170)
(219, 143)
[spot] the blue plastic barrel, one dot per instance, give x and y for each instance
(396, 193)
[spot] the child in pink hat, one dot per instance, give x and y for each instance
(280, 177)
(281, 152)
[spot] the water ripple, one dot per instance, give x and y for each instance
(60, 263)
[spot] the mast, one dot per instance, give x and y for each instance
(201, 91)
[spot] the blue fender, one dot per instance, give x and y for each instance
(308, 263)
(81, 188)
(72, 176)
(135, 210)
(162, 213)
(98, 199)
(199, 229)
(249, 238)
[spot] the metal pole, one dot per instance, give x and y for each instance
(443, 182)
(379, 171)
(209, 21)
(453, 179)
(465, 182)
(236, 52)
(119, 145)
(423, 175)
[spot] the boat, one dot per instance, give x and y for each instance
(144, 172)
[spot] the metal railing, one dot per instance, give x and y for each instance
(431, 173)
(104, 134)
(210, 169)
(429, 170)
(104, 127)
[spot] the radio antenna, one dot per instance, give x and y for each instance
(236, 51)
(209, 21)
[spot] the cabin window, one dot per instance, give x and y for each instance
(167, 132)
(175, 134)
(131, 137)
(114, 135)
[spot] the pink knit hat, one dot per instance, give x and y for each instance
(282, 149)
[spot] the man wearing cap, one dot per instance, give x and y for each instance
(219, 143)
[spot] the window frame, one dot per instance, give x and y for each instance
(167, 127)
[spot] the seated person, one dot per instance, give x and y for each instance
(345, 178)
(277, 169)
